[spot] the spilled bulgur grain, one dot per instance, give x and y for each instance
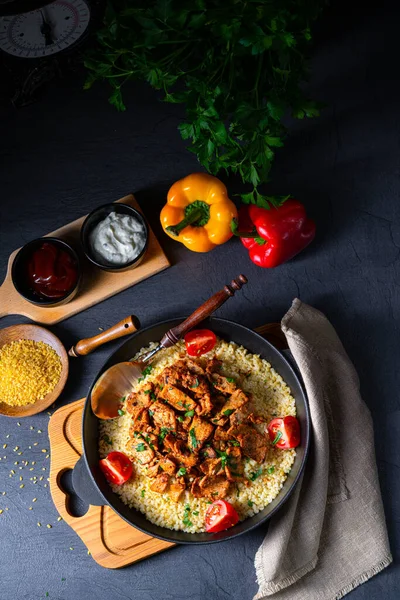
(29, 370)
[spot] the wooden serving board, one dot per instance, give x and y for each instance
(112, 542)
(97, 285)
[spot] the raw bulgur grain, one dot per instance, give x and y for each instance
(29, 370)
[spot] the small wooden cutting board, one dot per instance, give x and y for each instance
(97, 285)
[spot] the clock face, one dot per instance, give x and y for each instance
(46, 31)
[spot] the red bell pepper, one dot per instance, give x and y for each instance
(273, 236)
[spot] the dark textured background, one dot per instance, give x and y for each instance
(70, 152)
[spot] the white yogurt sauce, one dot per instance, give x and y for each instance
(117, 239)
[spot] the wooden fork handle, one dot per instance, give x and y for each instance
(125, 327)
(205, 310)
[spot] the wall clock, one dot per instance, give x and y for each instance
(42, 40)
(45, 31)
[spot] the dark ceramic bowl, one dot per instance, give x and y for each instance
(89, 482)
(99, 214)
(20, 279)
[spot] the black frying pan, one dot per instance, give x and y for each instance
(90, 484)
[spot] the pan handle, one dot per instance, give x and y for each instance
(84, 486)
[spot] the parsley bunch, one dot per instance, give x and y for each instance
(236, 66)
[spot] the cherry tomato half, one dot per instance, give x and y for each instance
(200, 341)
(285, 432)
(220, 515)
(117, 468)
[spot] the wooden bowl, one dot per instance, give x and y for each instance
(38, 334)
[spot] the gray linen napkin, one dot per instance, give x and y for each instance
(331, 534)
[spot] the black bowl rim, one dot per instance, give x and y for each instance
(86, 245)
(279, 505)
(45, 301)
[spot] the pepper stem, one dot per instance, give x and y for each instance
(197, 213)
(193, 216)
(247, 234)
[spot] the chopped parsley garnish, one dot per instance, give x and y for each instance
(180, 403)
(223, 456)
(193, 438)
(195, 385)
(195, 513)
(122, 399)
(234, 442)
(147, 391)
(250, 503)
(208, 502)
(148, 440)
(227, 412)
(181, 472)
(161, 387)
(164, 432)
(121, 412)
(255, 474)
(140, 447)
(186, 519)
(151, 413)
(278, 436)
(270, 470)
(214, 494)
(142, 493)
(189, 413)
(180, 419)
(107, 439)
(231, 380)
(152, 396)
(145, 372)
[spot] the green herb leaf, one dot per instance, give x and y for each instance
(270, 470)
(228, 412)
(189, 413)
(223, 456)
(193, 438)
(142, 493)
(181, 472)
(121, 412)
(195, 513)
(147, 371)
(235, 90)
(196, 384)
(278, 436)
(163, 432)
(107, 439)
(140, 447)
(234, 442)
(231, 379)
(122, 399)
(180, 419)
(250, 503)
(255, 474)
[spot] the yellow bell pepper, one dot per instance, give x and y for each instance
(198, 212)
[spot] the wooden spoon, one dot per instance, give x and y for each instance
(125, 327)
(119, 380)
